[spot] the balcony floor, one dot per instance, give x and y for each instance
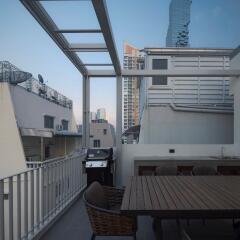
(74, 225)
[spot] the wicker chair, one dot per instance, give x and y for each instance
(103, 209)
(204, 171)
(166, 170)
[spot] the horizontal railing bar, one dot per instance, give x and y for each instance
(45, 163)
(78, 31)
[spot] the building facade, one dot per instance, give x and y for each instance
(184, 110)
(102, 134)
(44, 118)
(132, 60)
(179, 20)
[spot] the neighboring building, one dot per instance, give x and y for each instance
(43, 116)
(185, 110)
(132, 60)
(179, 20)
(101, 114)
(131, 136)
(93, 116)
(102, 134)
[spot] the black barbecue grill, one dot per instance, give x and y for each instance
(99, 166)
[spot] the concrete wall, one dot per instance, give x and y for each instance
(30, 110)
(163, 125)
(12, 159)
(132, 152)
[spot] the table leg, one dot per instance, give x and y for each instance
(157, 227)
(181, 231)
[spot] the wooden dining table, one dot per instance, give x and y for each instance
(182, 197)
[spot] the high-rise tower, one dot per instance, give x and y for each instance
(132, 60)
(179, 20)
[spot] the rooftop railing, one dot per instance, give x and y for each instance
(31, 200)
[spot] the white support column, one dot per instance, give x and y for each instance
(86, 111)
(119, 129)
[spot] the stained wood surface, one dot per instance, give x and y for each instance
(183, 196)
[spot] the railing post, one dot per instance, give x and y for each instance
(118, 129)
(10, 206)
(2, 232)
(19, 211)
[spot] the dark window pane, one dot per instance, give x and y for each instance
(159, 64)
(48, 122)
(159, 80)
(65, 125)
(105, 131)
(96, 143)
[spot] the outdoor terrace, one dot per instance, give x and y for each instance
(32, 201)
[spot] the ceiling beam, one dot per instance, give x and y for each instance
(98, 64)
(100, 8)
(88, 47)
(169, 73)
(40, 14)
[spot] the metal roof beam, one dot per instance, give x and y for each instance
(40, 14)
(98, 64)
(104, 22)
(78, 31)
(169, 73)
(88, 47)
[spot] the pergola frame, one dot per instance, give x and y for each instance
(40, 14)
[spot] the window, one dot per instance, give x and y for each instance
(156, 65)
(105, 131)
(48, 122)
(64, 125)
(96, 143)
(159, 64)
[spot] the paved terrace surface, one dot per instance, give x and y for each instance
(74, 225)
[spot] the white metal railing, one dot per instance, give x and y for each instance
(30, 200)
(36, 164)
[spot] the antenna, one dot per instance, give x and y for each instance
(40, 78)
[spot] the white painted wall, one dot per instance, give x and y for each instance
(163, 125)
(191, 90)
(30, 110)
(12, 159)
(131, 152)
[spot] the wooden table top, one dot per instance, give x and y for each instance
(183, 196)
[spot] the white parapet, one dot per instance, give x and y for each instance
(12, 157)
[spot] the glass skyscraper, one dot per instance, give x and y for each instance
(179, 19)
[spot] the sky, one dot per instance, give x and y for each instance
(142, 23)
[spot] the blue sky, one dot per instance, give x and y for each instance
(142, 23)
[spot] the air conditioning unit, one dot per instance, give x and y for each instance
(59, 127)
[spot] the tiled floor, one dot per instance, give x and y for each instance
(74, 225)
